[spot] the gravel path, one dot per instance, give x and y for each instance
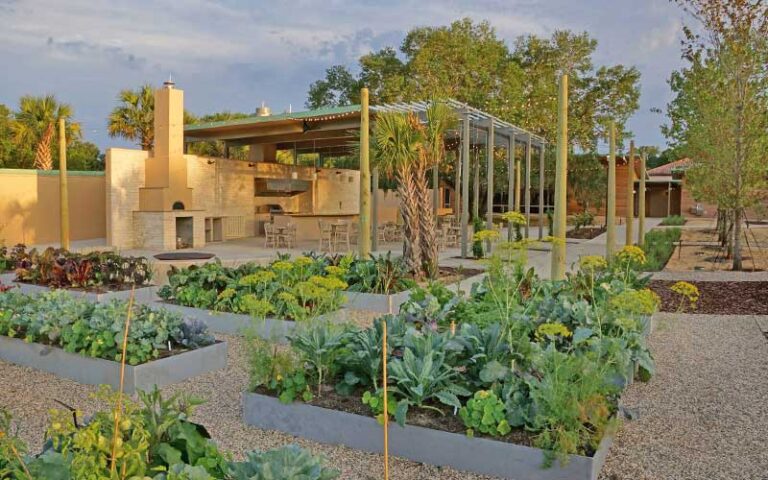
(703, 416)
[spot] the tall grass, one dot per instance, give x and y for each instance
(658, 247)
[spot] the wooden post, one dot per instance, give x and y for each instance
(561, 183)
(669, 198)
(630, 194)
(510, 180)
(528, 186)
(364, 242)
(465, 186)
(518, 184)
(375, 209)
(610, 209)
(457, 184)
(542, 215)
(641, 202)
(489, 180)
(476, 185)
(63, 186)
(386, 401)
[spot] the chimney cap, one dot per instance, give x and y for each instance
(169, 83)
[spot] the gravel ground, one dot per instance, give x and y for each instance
(703, 416)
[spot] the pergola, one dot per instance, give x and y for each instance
(334, 129)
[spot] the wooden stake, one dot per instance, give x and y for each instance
(557, 271)
(386, 406)
(610, 209)
(63, 186)
(119, 405)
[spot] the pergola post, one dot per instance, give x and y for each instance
(476, 185)
(610, 209)
(641, 202)
(489, 180)
(630, 193)
(557, 271)
(528, 186)
(465, 186)
(375, 209)
(518, 184)
(457, 184)
(364, 242)
(63, 185)
(541, 192)
(510, 180)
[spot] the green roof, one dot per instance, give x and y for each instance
(320, 112)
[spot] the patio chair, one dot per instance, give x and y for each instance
(271, 238)
(342, 235)
(381, 233)
(289, 235)
(326, 236)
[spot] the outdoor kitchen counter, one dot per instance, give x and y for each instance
(307, 227)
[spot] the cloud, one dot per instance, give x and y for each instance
(231, 54)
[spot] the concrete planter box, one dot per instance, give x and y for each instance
(97, 371)
(379, 302)
(237, 323)
(141, 295)
(435, 447)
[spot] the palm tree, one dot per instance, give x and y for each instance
(397, 147)
(439, 119)
(133, 118)
(36, 123)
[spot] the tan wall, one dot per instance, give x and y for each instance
(29, 206)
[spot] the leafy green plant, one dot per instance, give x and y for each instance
(658, 247)
(318, 345)
(289, 462)
(485, 413)
(478, 250)
(376, 403)
(583, 219)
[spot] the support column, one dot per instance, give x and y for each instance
(465, 187)
(510, 180)
(641, 202)
(669, 198)
(63, 185)
(610, 209)
(489, 180)
(542, 215)
(476, 185)
(375, 209)
(630, 195)
(518, 184)
(364, 240)
(557, 271)
(457, 183)
(528, 187)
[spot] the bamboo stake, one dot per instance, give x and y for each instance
(119, 405)
(20, 460)
(386, 406)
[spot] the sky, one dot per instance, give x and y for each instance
(235, 54)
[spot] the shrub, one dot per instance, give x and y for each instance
(583, 219)
(673, 220)
(658, 247)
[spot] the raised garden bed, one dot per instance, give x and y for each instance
(97, 371)
(141, 294)
(481, 455)
(717, 298)
(585, 233)
(383, 303)
(238, 323)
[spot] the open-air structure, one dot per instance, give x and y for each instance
(300, 168)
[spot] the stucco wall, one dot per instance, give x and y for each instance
(30, 208)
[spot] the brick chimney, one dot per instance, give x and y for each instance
(165, 179)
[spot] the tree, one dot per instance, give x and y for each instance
(396, 151)
(7, 146)
(720, 111)
(587, 179)
(133, 118)
(35, 125)
(83, 156)
(215, 148)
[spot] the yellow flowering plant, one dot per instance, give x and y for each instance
(689, 295)
(592, 263)
(631, 255)
(486, 236)
(552, 331)
(513, 217)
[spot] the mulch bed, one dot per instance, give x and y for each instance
(585, 233)
(718, 298)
